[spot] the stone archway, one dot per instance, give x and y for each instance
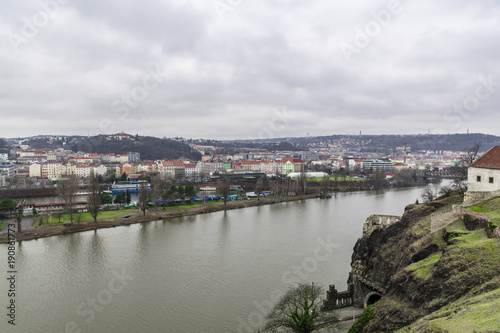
(372, 298)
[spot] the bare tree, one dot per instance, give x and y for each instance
(94, 196)
(325, 184)
(20, 213)
(159, 186)
(459, 183)
(297, 309)
(430, 194)
(302, 180)
(258, 188)
(143, 197)
(224, 186)
(67, 189)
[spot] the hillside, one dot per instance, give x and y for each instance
(150, 148)
(447, 281)
(3, 146)
(388, 143)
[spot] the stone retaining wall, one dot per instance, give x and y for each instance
(374, 222)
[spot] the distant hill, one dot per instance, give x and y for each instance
(388, 143)
(149, 147)
(3, 147)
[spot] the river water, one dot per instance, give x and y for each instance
(217, 272)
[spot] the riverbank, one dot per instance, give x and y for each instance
(49, 231)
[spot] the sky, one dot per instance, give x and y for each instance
(241, 69)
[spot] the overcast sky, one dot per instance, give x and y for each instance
(249, 69)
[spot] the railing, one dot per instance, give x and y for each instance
(337, 300)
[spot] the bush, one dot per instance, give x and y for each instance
(366, 316)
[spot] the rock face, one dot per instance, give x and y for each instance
(414, 272)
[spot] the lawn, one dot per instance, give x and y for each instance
(340, 179)
(87, 217)
(109, 214)
(489, 207)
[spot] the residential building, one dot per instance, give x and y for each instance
(35, 170)
(52, 170)
(175, 169)
(484, 174)
(191, 171)
(100, 170)
(377, 165)
(134, 157)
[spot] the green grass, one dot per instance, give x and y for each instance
(107, 214)
(489, 207)
(340, 179)
(421, 269)
(479, 311)
(87, 217)
(363, 320)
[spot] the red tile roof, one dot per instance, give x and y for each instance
(490, 160)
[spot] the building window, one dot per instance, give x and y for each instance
(491, 180)
(478, 179)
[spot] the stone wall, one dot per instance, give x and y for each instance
(474, 197)
(439, 220)
(473, 220)
(374, 222)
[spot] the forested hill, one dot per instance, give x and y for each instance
(3, 147)
(388, 143)
(150, 148)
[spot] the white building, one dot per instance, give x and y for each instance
(100, 170)
(484, 177)
(7, 169)
(35, 170)
(484, 174)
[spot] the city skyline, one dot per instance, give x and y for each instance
(249, 70)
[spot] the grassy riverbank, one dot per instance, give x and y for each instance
(154, 215)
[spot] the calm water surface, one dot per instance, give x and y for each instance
(209, 273)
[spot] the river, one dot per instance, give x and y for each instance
(216, 272)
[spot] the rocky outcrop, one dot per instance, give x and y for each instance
(415, 272)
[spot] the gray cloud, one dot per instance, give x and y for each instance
(224, 75)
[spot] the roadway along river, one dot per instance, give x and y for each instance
(208, 273)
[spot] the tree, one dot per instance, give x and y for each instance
(462, 169)
(143, 197)
(190, 191)
(224, 186)
(297, 309)
(94, 196)
(325, 184)
(302, 180)
(429, 194)
(59, 214)
(7, 204)
(106, 199)
(258, 187)
(19, 214)
(159, 184)
(123, 177)
(67, 189)
(123, 198)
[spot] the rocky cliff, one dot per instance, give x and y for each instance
(418, 280)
